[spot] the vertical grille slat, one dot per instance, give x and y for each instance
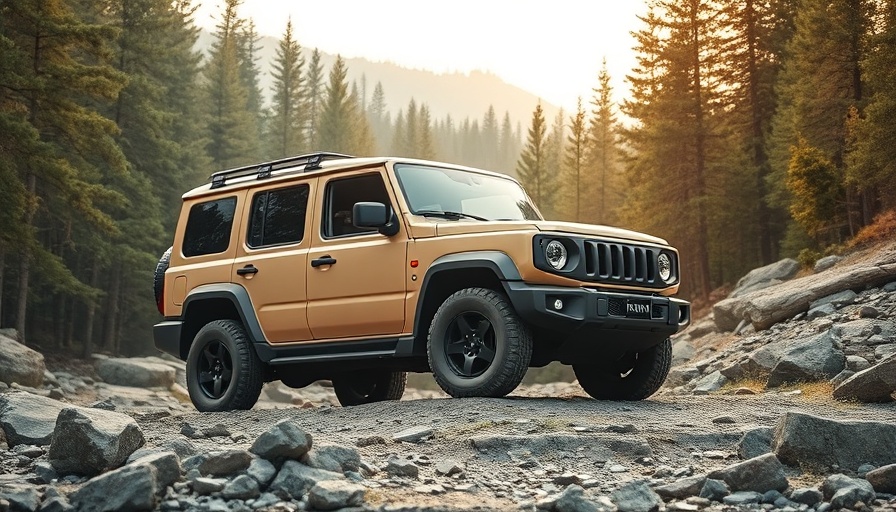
(621, 263)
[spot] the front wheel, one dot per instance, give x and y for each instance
(478, 346)
(223, 370)
(634, 376)
(370, 386)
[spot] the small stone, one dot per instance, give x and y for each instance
(218, 430)
(335, 494)
(401, 467)
(714, 490)
(868, 312)
(715, 454)
(724, 420)
(413, 434)
(285, 440)
(806, 496)
(203, 485)
(448, 468)
(742, 498)
(243, 487)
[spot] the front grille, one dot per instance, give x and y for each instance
(620, 263)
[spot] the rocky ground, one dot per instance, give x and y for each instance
(748, 420)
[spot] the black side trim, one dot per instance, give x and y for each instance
(240, 299)
(329, 351)
(496, 261)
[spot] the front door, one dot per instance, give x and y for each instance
(356, 276)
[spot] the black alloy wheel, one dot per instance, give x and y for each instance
(470, 345)
(215, 369)
(223, 370)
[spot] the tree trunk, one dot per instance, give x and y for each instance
(2, 270)
(91, 312)
(112, 308)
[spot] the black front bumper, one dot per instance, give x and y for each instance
(590, 312)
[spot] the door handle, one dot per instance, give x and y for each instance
(248, 269)
(323, 260)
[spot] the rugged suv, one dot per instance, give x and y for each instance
(359, 270)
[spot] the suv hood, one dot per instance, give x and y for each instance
(597, 231)
(439, 227)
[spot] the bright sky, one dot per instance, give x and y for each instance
(552, 49)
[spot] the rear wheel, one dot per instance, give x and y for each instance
(223, 371)
(634, 376)
(478, 346)
(370, 386)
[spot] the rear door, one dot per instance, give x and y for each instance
(272, 257)
(356, 276)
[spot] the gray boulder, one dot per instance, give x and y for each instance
(225, 462)
(636, 497)
(28, 418)
(759, 474)
(402, 467)
(262, 471)
(755, 442)
(876, 384)
(333, 458)
(20, 497)
(763, 277)
(284, 440)
(296, 479)
(128, 488)
(844, 492)
(90, 441)
(714, 490)
(573, 499)
(806, 496)
(243, 487)
(827, 262)
(814, 359)
(135, 372)
(682, 488)
(712, 382)
(166, 466)
(883, 479)
(801, 438)
(681, 375)
(335, 494)
(20, 364)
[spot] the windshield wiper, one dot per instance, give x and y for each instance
(450, 215)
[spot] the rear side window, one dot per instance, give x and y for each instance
(208, 227)
(278, 216)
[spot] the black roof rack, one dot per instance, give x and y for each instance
(265, 170)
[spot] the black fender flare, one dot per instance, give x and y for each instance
(498, 262)
(238, 296)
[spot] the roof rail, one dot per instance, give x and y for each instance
(264, 170)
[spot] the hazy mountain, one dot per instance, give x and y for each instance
(458, 94)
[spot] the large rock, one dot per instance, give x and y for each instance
(883, 479)
(166, 466)
(844, 492)
(814, 359)
(284, 440)
(763, 277)
(760, 474)
(876, 384)
(296, 479)
(771, 305)
(90, 441)
(335, 494)
(755, 442)
(20, 364)
(135, 373)
(682, 488)
(333, 458)
(27, 418)
(801, 438)
(128, 488)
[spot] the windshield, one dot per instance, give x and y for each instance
(457, 194)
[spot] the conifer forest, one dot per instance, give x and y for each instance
(754, 130)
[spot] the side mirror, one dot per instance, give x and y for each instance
(375, 215)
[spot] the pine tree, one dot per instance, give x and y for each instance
(54, 66)
(602, 153)
(337, 114)
(314, 86)
(247, 49)
(508, 146)
(532, 168)
(379, 119)
(425, 147)
(574, 190)
(286, 129)
(231, 126)
(490, 140)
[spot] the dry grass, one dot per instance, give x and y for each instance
(883, 228)
(816, 391)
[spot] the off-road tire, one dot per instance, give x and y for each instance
(224, 342)
(512, 348)
(649, 369)
(158, 277)
(365, 387)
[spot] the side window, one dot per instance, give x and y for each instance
(341, 196)
(208, 227)
(278, 216)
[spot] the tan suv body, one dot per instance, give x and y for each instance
(361, 269)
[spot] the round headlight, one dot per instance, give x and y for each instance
(555, 253)
(664, 265)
